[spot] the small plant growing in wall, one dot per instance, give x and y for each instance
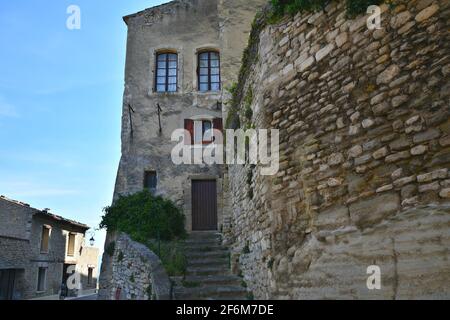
(120, 256)
(149, 291)
(246, 249)
(132, 279)
(270, 263)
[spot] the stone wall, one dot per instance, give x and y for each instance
(137, 273)
(364, 156)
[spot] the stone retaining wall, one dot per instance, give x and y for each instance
(365, 151)
(137, 273)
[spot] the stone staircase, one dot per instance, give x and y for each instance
(208, 275)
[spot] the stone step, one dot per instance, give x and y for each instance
(207, 270)
(213, 235)
(205, 243)
(209, 254)
(230, 280)
(205, 247)
(211, 292)
(215, 261)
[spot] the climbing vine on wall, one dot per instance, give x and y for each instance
(354, 7)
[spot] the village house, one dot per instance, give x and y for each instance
(182, 57)
(39, 251)
(363, 119)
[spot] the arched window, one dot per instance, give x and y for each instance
(166, 72)
(209, 71)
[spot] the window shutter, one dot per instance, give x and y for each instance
(189, 126)
(218, 125)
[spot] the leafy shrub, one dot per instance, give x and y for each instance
(144, 216)
(354, 7)
(171, 254)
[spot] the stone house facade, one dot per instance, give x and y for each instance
(37, 249)
(364, 142)
(181, 58)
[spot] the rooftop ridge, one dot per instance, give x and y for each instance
(45, 212)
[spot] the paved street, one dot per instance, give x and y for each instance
(91, 297)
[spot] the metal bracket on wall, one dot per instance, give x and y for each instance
(130, 114)
(159, 110)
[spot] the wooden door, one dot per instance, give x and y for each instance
(204, 205)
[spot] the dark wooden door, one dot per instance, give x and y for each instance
(204, 205)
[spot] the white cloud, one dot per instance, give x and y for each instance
(6, 109)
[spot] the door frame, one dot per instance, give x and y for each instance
(187, 189)
(213, 193)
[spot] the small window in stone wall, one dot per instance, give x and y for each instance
(208, 71)
(42, 279)
(166, 72)
(150, 181)
(71, 245)
(45, 239)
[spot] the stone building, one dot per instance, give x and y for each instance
(364, 126)
(40, 250)
(181, 58)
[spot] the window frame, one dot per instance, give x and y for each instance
(147, 175)
(211, 122)
(72, 255)
(209, 68)
(166, 69)
(47, 249)
(44, 281)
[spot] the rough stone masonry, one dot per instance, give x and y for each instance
(365, 153)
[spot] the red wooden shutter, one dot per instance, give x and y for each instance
(218, 124)
(189, 126)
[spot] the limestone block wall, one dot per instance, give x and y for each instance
(364, 156)
(137, 273)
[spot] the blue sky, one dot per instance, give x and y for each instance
(60, 103)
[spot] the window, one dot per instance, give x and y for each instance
(150, 181)
(201, 131)
(166, 72)
(71, 245)
(90, 273)
(42, 279)
(209, 71)
(45, 237)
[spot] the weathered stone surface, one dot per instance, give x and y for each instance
(418, 150)
(380, 153)
(438, 174)
(427, 135)
(332, 218)
(138, 272)
(445, 193)
(380, 102)
(322, 53)
(355, 151)
(387, 75)
(427, 13)
(367, 212)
